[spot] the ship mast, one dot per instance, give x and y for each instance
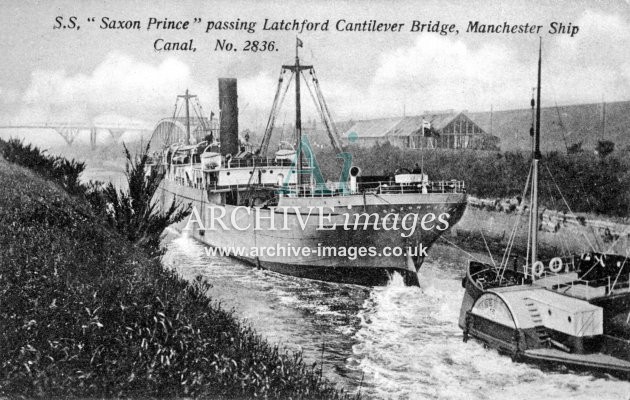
(318, 98)
(187, 97)
(536, 158)
(298, 110)
(297, 70)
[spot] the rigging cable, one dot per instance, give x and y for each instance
(269, 127)
(333, 134)
(618, 274)
(172, 125)
(563, 242)
(508, 249)
(200, 119)
(278, 107)
(459, 248)
(567, 205)
(487, 248)
(170, 129)
(203, 121)
(277, 103)
(318, 106)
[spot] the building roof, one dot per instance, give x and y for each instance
(439, 121)
(407, 126)
(399, 126)
(374, 128)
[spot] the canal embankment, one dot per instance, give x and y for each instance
(86, 313)
(494, 224)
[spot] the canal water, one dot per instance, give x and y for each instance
(392, 342)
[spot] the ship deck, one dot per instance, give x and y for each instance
(549, 282)
(593, 360)
(570, 285)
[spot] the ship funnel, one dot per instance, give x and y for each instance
(354, 172)
(228, 106)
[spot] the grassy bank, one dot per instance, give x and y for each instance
(83, 313)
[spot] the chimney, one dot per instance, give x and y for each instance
(228, 105)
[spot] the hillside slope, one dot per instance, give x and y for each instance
(85, 314)
(582, 123)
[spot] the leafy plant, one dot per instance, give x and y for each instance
(604, 147)
(575, 148)
(134, 212)
(63, 171)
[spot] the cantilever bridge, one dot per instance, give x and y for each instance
(167, 130)
(70, 131)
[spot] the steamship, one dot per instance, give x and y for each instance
(572, 310)
(269, 198)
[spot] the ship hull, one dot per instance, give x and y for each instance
(370, 269)
(501, 338)
(365, 276)
(607, 353)
(471, 293)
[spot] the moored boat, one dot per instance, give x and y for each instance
(572, 310)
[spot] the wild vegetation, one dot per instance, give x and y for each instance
(61, 170)
(86, 313)
(131, 211)
(589, 182)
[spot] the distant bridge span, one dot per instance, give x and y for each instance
(173, 130)
(69, 132)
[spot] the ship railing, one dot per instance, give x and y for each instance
(243, 187)
(452, 186)
(612, 286)
(564, 287)
(568, 265)
(374, 187)
(234, 163)
(608, 283)
(343, 189)
(258, 162)
(288, 190)
(611, 283)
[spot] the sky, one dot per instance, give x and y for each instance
(116, 76)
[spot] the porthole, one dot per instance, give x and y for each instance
(569, 318)
(549, 312)
(228, 173)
